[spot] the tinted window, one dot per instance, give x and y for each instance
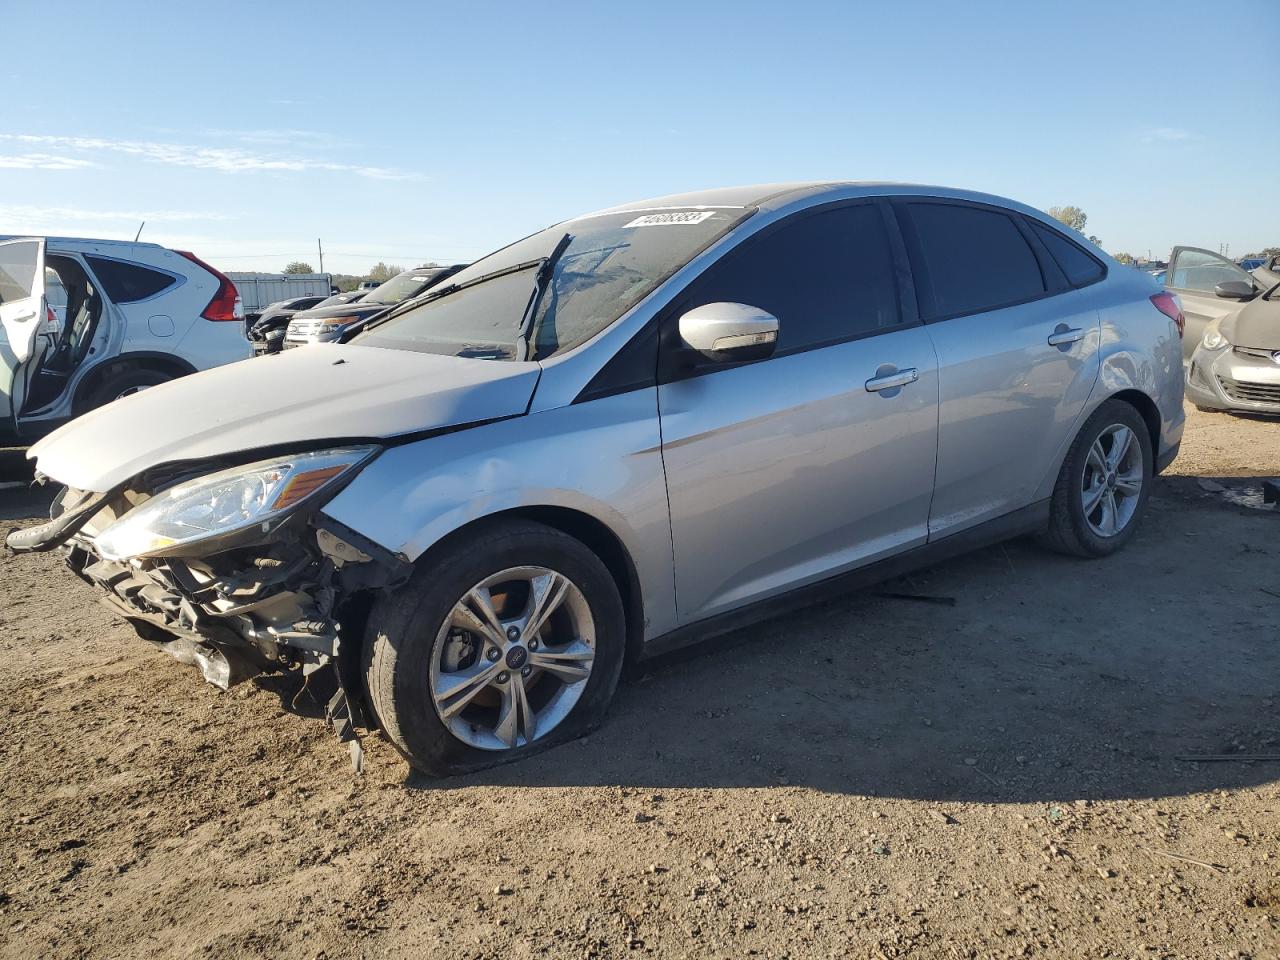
(1079, 267)
(129, 282)
(826, 277)
(1197, 270)
(973, 259)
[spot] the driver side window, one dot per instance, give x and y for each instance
(827, 277)
(1202, 271)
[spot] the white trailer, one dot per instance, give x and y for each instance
(257, 290)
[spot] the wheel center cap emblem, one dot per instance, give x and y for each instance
(516, 657)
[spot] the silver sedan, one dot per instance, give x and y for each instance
(620, 435)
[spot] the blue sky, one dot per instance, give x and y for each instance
(405, 132)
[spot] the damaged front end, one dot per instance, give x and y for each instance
(236, 575)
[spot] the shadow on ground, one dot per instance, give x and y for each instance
(1050, 678)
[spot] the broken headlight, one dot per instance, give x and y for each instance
(226, 502)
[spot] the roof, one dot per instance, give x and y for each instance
(773, 196)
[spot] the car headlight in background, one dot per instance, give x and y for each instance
(226, 502)
(1213, 339)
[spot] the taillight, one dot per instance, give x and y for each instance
(1168, 304)
(225, 304)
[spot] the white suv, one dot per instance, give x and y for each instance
(83, 322)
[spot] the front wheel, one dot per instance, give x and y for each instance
(1104, 483)
(509, 641)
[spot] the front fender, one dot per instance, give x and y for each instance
(601, 458)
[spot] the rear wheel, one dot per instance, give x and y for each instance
(124, 383)
(1102, 489)
(510, 641)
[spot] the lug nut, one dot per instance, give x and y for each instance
(513, 633)
(503, 677)
(493, 653)
(533, 644)
(526, 671)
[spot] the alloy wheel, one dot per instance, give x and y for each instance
(512, 658)
(1112, 481)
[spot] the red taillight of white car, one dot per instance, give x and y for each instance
(1168, 304)
(225, 304)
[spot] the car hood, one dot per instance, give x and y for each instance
(1256, 324)
(296, 398)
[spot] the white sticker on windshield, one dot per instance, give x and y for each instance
(678, 218)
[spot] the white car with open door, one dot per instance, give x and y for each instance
(127, 316)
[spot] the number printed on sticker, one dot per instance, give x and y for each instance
(675, 219)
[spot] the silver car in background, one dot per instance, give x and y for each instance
(1233, 330)
(620, 435)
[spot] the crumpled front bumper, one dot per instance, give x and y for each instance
(291, 599)
(1234, 378)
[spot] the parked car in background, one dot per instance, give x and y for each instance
(368, 284)
(623, 434)
(275, 318)
(87, 321)
(351, 296)
(1234, 361)
(326, 323)
(1251, 263)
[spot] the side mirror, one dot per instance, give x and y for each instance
(730, 332)
(1234, 290)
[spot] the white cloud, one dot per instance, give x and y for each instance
(1168, 135)
(42, 161)
(222, 159)
(27, 216)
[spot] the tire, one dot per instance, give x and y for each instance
(409, 646)
(127, 381)
(1074, 531)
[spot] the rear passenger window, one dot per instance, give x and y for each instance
(1080, 268)
(826, 277)
(129, 282)
(973, 259)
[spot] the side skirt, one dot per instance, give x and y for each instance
(1029, 519)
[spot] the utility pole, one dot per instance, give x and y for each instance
(320, 249)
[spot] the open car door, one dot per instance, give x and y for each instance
(1192, 275)
(23, 312)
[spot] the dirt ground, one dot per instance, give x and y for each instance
(875, 777)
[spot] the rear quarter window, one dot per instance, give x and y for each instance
(126, 282)
(969, 259)
(1080, 268)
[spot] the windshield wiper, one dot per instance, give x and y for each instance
(541, 281)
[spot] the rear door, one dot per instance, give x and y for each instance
(791, 469)
(23, 311)
(1192, 275)
(1017, 347)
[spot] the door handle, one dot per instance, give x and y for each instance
(25, 316)
(891, 380)
(1064, 335)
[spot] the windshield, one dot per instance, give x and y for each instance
(401, 287)
(611, 263)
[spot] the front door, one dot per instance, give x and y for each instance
(1192, 275)
(788, 470)
(23, 311)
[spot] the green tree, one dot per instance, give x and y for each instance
(298, 266)
(383, 271)
(1125, 258)
(1073, 217)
